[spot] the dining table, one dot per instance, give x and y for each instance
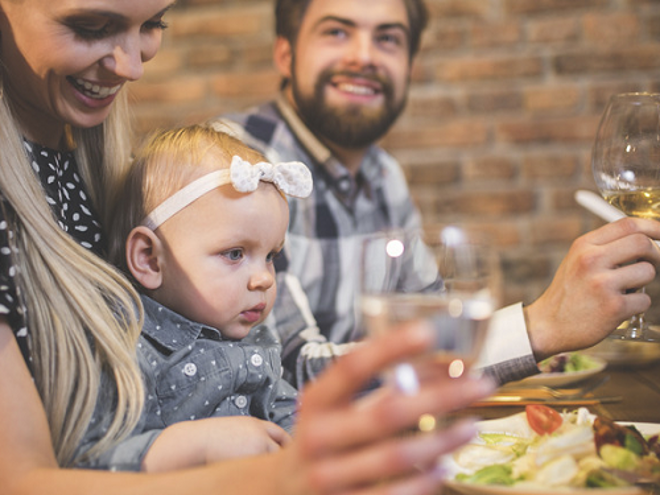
(628, 394)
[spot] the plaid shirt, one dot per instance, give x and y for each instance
(315, 309)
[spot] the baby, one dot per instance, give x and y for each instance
(198, 226)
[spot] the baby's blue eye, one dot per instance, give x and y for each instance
(234, 254)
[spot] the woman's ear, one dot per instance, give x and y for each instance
(142, 257)
(282, 56)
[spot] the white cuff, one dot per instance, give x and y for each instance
(507, 337)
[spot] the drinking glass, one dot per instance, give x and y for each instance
(626, 167)
(447, 277)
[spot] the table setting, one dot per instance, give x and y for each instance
(589, 421)
(593, 430)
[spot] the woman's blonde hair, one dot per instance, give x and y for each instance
(167, 161)
(81, 312)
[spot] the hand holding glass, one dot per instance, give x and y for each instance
(445, 277)
(626, 168)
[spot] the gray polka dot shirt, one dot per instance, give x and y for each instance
(193, 372)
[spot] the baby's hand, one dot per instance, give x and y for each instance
(240, 436)
(194, 443)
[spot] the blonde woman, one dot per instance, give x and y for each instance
(67, 330)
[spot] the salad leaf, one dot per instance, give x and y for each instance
(603, 479)
(497, 474)
(619, 457)
(568, 362)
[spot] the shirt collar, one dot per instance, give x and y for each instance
(317, 150)
(170, 329)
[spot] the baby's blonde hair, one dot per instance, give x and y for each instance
(166, 162)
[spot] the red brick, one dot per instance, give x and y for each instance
(546, 231)
(562, 199)
(489, 101)
(221, 23)
(425, 175)
(553, 30)
(183, 89)
(565, 130)
(263, 84)
(552, 98)
(490, 168)
(205, 57)
(431, 105)
(164, 66)
(653, 26)
(611, 29)
(486, 203)
(549, 167)
(443, 37)
(454, 134)
(458, 8)
(495, 34)
(642, 57)
(547, 6)
(486, 68)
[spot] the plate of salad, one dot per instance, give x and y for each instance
(542, 451)
(564, 369)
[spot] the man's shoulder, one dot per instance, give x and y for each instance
(258, 123)
(264, 129)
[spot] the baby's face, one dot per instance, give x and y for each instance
(218, 261)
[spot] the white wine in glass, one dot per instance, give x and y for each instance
(626, 167)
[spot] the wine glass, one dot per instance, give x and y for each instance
(626, 166)
(446, 277)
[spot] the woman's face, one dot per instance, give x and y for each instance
(65, 60)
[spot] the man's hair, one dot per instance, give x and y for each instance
(289, 16)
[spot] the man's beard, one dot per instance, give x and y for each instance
(352, 126)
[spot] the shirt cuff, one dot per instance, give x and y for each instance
(507, 351)
(127, 455)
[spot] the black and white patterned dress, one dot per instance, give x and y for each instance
(71, 205)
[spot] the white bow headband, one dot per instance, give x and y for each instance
(292, 178)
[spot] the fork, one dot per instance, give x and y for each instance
(562, 393)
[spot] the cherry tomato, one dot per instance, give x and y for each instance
(543, 419)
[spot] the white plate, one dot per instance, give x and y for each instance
(472, 489)
(646, 429)
(561, 379)
(626, 353)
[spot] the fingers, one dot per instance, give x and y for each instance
(625, 241)
(398, 459)
(388, 416)
(277, 434)
(624, 228)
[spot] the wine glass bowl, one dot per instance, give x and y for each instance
(626, 167)
(444, 277)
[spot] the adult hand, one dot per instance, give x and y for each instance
(593, 290)
(343, 445)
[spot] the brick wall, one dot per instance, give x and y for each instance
(504, 104)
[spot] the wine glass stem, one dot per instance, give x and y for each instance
(635, 329)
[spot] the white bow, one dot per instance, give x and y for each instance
(292, 178)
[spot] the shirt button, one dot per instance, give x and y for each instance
(241, 401)
(256, 359)
(190, 369)
(344, 184)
